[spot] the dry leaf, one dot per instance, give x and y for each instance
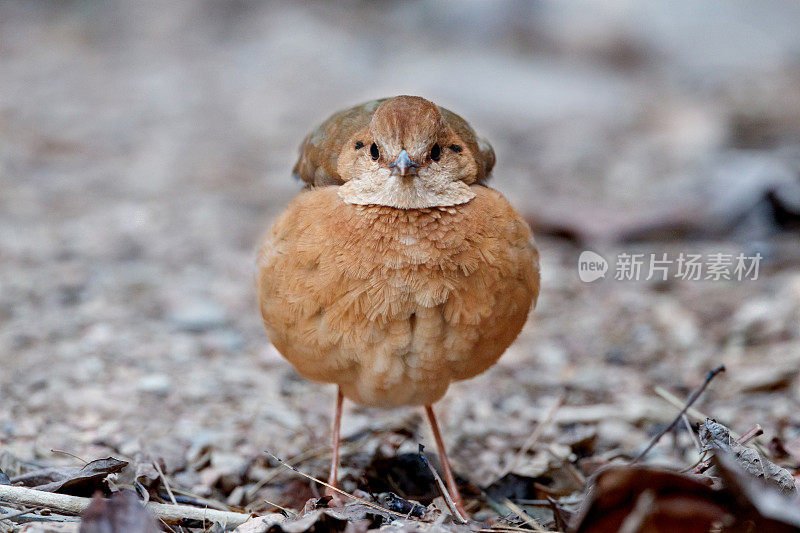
(661, 501)
(716, 437)
(85, 480)
(122, 513)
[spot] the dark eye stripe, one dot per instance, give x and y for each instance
(456, 148)
(359, 145)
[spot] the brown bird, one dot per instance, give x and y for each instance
(397, 271)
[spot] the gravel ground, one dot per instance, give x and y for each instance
(144, 147)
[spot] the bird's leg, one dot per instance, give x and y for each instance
(337, 423)
(448, 471)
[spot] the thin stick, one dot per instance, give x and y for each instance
(284, 509)
(70, 454)
(9, 516)
(691, 433)
(756, 431)
(522, 514)
(697, 463)
(670, 398)
(536, 434)
(500, 529)
(75, 505)
(165, 482)
(532, 503)
(340, 491)
(693, 398)
(298, 458)
(443, 490)
(699, 415)
(496, 529)
(193, 499)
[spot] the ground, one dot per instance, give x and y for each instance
(144, 149)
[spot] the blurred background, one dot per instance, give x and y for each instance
(145, 147)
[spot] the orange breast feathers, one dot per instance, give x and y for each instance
(395, 304)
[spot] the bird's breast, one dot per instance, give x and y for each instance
(394, 304)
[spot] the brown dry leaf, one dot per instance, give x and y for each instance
(122, 513)
(647, 500)
(78, 481)
(260, 524)
(769, 509)
(358, 518)
(659, 501)
(715, 436)
(88, 478)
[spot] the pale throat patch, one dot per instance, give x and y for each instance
(405, 193)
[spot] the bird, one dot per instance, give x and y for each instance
(397, 270)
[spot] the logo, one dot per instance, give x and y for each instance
(591, 266)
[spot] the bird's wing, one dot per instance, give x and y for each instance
(480, 147)
(319, 151)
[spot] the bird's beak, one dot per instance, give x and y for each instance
(404, 165)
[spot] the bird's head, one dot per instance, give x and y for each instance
(407, 157)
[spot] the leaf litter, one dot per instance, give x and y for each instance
(135, 293)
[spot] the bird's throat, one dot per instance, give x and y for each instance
(404, 193)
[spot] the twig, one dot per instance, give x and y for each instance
(284, 509)
(165, 482)
(756, 431)
(336, 489)
(189, 498)
(693, 398)
(295, 459)
(670, 398)
(70, 454)
(699, 415)
(169, 490)
(532, 503)
(443, 490)
(691, 433)
(501, 529)
(9, 516)
(75, 505)
(536, 434)
(701, 460)
(522, 514)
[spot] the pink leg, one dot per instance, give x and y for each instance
(337, 423)
(448, 471)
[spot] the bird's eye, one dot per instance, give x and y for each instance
(359, 145)
(456, 148)
(373, 151)
(436, 152)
